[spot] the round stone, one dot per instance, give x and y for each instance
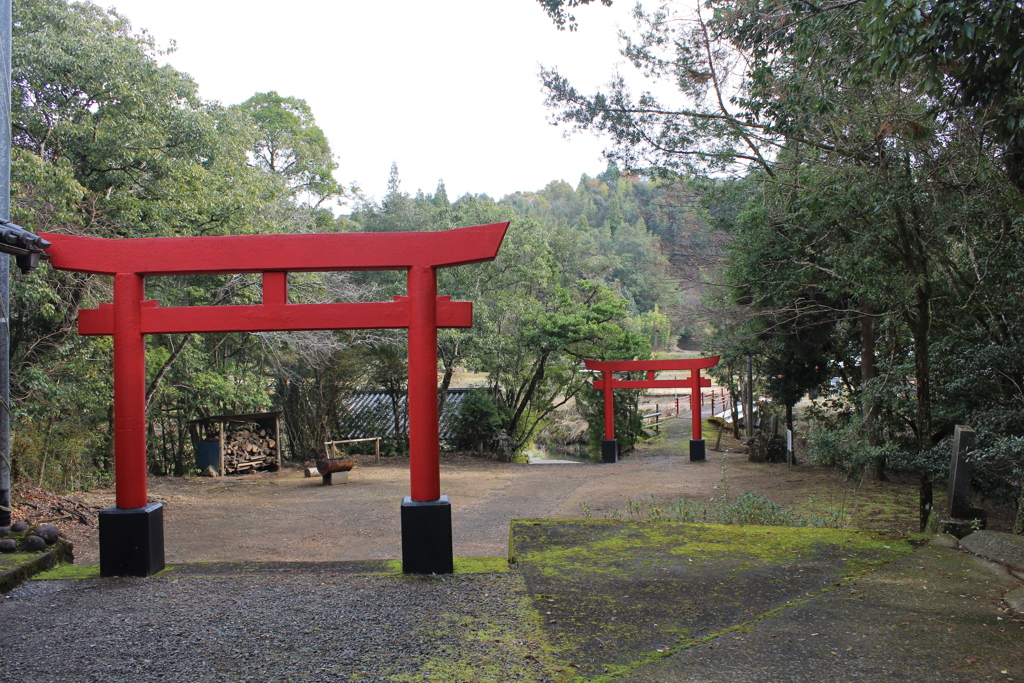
(48, 533)
(4, 530)
(8, 545)
(33, 544)
(18, 527)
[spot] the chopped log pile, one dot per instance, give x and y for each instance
(249, 450)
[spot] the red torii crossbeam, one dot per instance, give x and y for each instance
(608, 383)
(131, 534)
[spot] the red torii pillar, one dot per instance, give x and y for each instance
(608, 383)
(131, 533)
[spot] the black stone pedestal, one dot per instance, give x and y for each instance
(609, 450)
(427, 536)
(5, 507)
(697, 450)
(132, 541)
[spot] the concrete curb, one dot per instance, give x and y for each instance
(59, 552)
(1015, 599)
(998, 547)
(1006, 549)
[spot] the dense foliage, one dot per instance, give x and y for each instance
(867, 169)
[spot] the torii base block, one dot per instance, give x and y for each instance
(698, 452)
(132, 541)
(427, 536)
(610, 450)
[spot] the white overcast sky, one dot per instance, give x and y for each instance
(447, 89)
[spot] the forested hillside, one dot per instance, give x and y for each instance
(662, 248)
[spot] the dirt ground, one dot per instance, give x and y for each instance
(286, 517)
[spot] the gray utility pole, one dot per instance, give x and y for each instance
(27, 248)
(5, 264)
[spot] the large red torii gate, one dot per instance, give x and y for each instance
(131, 534)
(608, 382)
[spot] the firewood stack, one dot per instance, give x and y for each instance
(249, 449)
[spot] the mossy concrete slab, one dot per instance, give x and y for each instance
(934, 615)
(16, 568)
(613, 594)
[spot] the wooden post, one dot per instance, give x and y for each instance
(424, 444)
(277, 438)
(129, 392)
(609, 406)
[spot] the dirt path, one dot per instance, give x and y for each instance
(284, 516)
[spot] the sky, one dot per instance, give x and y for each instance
(446, 89)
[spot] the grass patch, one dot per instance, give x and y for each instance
(464, 565)
(747, 508)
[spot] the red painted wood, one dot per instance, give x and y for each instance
(129, 392)
(276, 317)
(694, 382)
(275, 288)
(658, 383)
(608, 382)
(649, 384)
(656, 365)
(424, 443)
(262, 253)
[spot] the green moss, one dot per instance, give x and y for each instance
(481, 565)
(778, 544)
(14, 559)
(70, 571)
(502, 640)
(700, 543)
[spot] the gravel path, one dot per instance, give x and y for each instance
(267, 627)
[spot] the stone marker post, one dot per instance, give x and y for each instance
(958, 496)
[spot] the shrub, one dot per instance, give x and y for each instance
(479, 420)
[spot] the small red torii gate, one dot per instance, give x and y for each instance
(131, 534)
(608, 383)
